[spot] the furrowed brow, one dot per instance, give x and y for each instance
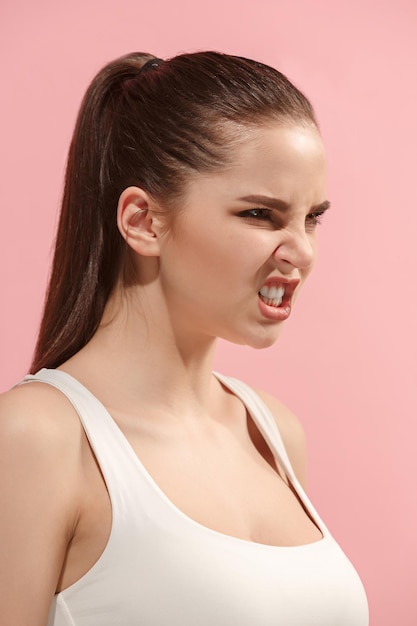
(281, 205)
(267, 201)
(321, 208)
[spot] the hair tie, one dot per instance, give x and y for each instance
(152, 64)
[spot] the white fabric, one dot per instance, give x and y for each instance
(161, 568)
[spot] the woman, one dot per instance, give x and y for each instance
(140, 487)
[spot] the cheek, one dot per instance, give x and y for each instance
(194, 258)
(208, 242)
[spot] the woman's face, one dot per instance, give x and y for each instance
(244, 240)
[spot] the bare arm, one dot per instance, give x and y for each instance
(292, 434)
(38, 501)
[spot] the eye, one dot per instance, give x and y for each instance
(314, 219)
(257, 214)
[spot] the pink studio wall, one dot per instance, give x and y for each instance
(346, 360)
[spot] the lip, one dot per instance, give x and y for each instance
(282, 312)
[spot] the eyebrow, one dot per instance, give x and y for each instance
(280, 205)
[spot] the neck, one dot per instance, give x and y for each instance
(143, 355)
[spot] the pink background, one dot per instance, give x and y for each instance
(346, 361)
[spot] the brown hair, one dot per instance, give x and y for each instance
(148, 128)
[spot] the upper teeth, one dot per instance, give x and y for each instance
(272, 295)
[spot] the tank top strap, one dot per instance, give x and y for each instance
(262, 417)
(268, 428)
(114, 455)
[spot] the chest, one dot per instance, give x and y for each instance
(227, 480)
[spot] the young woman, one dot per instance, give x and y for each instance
(140, 488)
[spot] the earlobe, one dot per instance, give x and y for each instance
(136, 221)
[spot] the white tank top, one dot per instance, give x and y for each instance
(161, 568)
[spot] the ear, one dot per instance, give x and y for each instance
(137, 222)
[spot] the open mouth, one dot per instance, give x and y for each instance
(272, 295)
(275, 298)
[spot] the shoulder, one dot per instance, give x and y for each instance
(37, 411)
(39, 430)
(40, 475)
(292, 433)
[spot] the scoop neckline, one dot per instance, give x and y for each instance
(170, 504)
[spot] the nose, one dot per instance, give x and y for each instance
(296, 249)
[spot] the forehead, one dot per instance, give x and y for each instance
(279, 148)
(284, 161)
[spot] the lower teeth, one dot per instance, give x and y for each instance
(271, 302)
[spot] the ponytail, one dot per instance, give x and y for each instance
(88, 246)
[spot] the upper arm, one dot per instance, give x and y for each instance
(292, 433)
(38, 502)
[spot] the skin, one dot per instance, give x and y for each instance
(150, 364)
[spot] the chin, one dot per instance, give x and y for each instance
(258, 341)
(262, 343)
